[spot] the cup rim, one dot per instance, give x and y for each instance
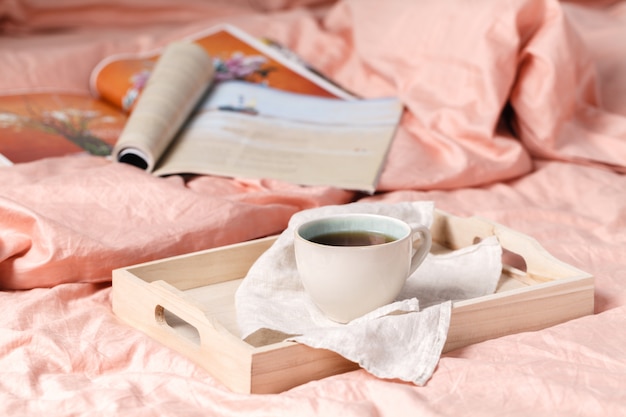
(407, 231)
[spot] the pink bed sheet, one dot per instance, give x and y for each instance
(63, 352)
(557, 71)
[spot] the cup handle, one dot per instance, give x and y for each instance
(425, 241)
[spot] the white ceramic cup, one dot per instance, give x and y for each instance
(346, 282)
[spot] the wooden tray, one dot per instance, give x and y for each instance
(187, 303)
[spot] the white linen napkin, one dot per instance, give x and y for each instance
(396, 341)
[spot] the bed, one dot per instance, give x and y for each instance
(514, 111)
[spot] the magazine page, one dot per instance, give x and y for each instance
(249, 130)
(119, 79)
(36, 125)
(178, 81)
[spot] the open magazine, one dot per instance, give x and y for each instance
(189, 120)
(222, 102)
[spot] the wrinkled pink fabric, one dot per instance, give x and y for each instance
(456, 75)
(515, 111)
(77, 218)
(63, 352)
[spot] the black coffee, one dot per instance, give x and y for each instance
(351, 238)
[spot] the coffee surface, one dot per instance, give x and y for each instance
(352, 238)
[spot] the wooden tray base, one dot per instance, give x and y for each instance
(187, 302)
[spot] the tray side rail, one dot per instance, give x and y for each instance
(152, 308)
(557, 292)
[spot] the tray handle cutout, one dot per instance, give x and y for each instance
(182, 327)
(181, 314)
(509, 258)
(521, 253)
(174, 309)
